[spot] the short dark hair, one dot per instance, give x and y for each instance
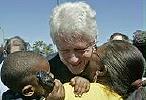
(19, 66)
(7, 46)
(124, 37)
(139, 40)
(124, 64)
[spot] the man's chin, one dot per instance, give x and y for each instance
(76, 72)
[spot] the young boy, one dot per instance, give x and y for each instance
(27, 75)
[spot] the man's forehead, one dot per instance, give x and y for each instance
(73, 44)
(72, 39)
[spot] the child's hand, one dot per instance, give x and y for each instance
(80, 84)
(58, 92)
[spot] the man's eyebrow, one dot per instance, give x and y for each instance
(62, 49)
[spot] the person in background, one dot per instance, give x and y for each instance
(139, 40)
(1, 54)
(12, 45)
(30, 78)
(119, 36)
(73, 30)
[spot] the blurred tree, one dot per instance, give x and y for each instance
(42, 48)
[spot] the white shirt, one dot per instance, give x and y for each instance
(3, 88)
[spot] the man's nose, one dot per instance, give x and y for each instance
(74, 60)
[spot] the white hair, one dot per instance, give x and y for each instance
(70, 18)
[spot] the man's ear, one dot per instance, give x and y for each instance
(28, 90)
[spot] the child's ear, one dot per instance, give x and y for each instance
(100, 73)
(28, 90)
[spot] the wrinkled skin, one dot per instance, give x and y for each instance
(75, 53)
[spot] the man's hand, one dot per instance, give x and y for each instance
(58, 92)
(80, 84)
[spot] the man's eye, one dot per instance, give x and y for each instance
(80, 50)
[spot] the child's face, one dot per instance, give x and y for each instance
(33, 86)
(37, 87)
(46, 82)
(45, 68)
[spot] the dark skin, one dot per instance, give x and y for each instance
(28, 84)
(58, 90)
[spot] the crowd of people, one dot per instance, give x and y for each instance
(80, 70)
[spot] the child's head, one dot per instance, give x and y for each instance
(19, 73)
(123, 64)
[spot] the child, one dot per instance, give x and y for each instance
(26, 74)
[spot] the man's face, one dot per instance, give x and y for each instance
(75, 54)
(16, 45)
